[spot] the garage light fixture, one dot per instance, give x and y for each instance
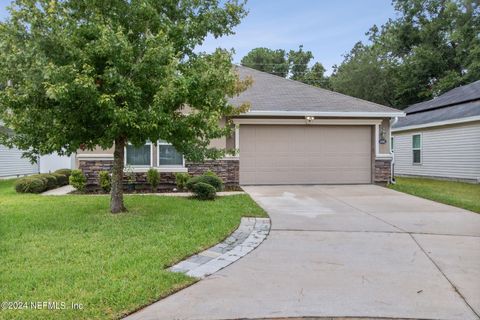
(309, 118)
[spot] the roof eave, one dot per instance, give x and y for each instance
(342, 114)
(436, 124)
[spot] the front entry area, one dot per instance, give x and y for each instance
(305, 154)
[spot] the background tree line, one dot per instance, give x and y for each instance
(430, 47)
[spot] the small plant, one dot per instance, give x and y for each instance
(105, 181)
(49, 179)
(181, 179)
(62, 179)
(30, 185)
(214, 181)
(130, 177)
(153, 178)
(78, 180)
(204, 191)
(66, 172)
(210, 173)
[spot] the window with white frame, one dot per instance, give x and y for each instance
(139, 156)
(417, 148)
(168, 156)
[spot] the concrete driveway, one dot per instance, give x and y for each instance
(344, 251)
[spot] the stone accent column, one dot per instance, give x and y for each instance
(382, 171)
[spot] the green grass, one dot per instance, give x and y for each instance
(458, 194)
(71, 249)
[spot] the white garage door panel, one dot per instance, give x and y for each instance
(271, 154)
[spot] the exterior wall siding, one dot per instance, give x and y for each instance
(447, 152)
(12, 164)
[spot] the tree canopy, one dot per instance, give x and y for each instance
(430, 48)
(293, 65)
(82, 73)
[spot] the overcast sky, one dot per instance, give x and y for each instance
(328, 28)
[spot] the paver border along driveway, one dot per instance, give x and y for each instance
(344, 251)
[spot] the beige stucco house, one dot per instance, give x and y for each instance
(293, 134)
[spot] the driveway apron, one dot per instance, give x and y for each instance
(344, 251)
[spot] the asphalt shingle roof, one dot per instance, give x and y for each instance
(273, 93)
(458, 95)
(461, 102)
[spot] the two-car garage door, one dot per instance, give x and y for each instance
(305, 154)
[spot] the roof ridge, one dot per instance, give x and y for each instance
(330, 92)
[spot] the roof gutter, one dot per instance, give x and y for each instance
(324, 114)
(437, 123)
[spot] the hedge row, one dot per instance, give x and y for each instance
(41, 182)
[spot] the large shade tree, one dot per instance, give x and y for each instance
(86, 73)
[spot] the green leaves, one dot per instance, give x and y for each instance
(430, 48)
(86, 72)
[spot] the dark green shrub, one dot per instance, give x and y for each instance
(62, 179)
(153, 178)
(181, 179)
(66, 172)
(49, 180)
(204, 191)
(214, 181)
(105, 181)
(30, 185)
(77, 180)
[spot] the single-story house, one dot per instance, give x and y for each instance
(440, 138)
(293, 134)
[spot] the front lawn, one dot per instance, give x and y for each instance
(458, 194)
(70, 249)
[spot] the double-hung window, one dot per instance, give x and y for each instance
(168, 156)
(417, 148)
(139, 156)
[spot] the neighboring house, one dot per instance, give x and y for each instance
(440, 138)
(13, 165)
(293, 134)
(11, 162)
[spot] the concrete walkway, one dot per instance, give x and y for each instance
(344, 251)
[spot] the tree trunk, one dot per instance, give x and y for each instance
(116, 199)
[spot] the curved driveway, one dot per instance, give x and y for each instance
(344, 251)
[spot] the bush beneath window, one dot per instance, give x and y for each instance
(105, 181)
(78, 180)
(214, 181)
(30, 185)
(153, 178)
(204, 191)
(181, 179)
(66, 172)
(62, 179)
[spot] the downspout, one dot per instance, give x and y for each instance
(392, 164)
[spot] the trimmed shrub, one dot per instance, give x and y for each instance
(153, 178)
(49, 179)
(214, 181)
(181, 179)
(30, 185)
(105, 181)
(210, 173)
(204, 191)
(66, 172)
(78, 180)
(62, 179)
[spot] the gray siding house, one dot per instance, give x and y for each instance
(11, 162)
(440, 138)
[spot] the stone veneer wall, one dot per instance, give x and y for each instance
(383, 172)
(227, 169)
